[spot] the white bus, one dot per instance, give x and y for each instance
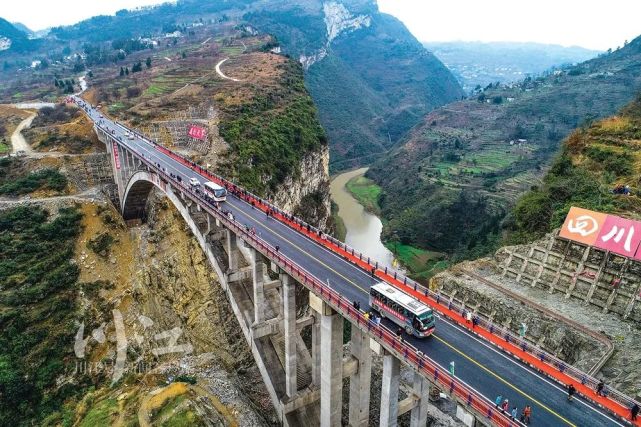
(215, 191)
(406, 311)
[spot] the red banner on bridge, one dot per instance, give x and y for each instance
(116, 158)
(607, 232)
(197, 132)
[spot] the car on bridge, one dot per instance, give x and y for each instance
(194, 182)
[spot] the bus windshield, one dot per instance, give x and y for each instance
(221, 192)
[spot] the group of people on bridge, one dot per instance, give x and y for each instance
(504, 406)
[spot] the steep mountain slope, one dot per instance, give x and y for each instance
(593, 161)
(13, 39)
(478, 63)
(370, 78)
(449, 186)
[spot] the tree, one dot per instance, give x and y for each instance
(137, 67)
(122, 71)
(148, 62)
(55, 83)
(127, 70)
(184, 55)
(90, 74)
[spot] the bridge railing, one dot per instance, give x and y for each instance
(503, 334)
(435, 298)
(465, 394)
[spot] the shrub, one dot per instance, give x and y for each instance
(41, 180)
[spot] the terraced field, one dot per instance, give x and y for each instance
(462, 170)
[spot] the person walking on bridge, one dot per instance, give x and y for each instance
(498, 400)
(527, 414)
(599, 388)
(571, 392)
(634, 411)
(515, 413)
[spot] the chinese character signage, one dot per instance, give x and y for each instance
(197, 132)
(607, 232)
(116, 157)
(582, 225)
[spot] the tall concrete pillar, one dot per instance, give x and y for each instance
(289, 330)
(210, 220)
(258, 271)
(331, 375)
(421, 388)
(122, 157)
(316, 345)
(359, 382)
(389, 390)
(232, 250)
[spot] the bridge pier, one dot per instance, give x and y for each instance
(316, 346)
(288, 288)
(232, 250)
(331, 362)
(389, 390)
(258, 273)
(360, 381)
(421, 390)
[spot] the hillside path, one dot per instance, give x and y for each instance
(17, 139)
(221, 74)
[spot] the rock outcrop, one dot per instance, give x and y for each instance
(306, 193)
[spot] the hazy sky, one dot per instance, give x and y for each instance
(40, 14)
(594, 24)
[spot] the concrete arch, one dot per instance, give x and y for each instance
(135, 199)
(137, 192)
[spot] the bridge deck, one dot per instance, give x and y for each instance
(479, 364)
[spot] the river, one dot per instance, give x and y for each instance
(363, 228)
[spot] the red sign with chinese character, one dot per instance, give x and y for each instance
(619, 235)
(582, 225)
(197, 132)
(116, 158)
(608, 232)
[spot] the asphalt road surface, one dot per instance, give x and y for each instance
(477, 363)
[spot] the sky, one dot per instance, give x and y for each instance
(593, 24)
(41, 14)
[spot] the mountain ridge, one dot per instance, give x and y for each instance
(451, 183)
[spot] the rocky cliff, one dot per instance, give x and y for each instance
(353, 55)
(306, 193)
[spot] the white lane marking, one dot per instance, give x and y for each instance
(356, 268)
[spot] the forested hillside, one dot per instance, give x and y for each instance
(459, 173)
(592, 170)
(19, 42)
(371, 80)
